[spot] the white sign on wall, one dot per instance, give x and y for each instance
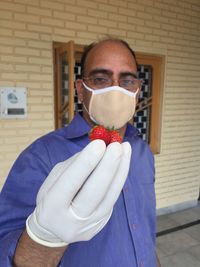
(13, 102)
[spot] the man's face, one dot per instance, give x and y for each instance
(107, 58)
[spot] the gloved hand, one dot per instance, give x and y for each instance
(76, 199)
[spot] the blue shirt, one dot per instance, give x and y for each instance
(127, 240)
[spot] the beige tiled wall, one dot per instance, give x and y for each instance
(165, 27)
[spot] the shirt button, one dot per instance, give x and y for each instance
(141, 264)
(134, 226)
(126, 189)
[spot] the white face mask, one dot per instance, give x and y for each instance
(112, 106)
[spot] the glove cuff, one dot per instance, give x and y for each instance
(36, 238)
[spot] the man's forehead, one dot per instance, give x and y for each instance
(105, 51)
(108, 45)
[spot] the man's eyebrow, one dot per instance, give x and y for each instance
(101, 71)
(110, 73)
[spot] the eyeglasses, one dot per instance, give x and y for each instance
(130, 84)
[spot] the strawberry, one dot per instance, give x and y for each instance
(108, 136)
(99, 132)
(115, 136)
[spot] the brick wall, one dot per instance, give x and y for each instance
(165, 27)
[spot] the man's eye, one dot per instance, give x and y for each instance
(127, 82)
(100, 80)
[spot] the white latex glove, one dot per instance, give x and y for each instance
(76, 199)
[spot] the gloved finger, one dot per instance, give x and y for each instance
(117, 183)
(57, 170)
(96, 186)
(73, 177)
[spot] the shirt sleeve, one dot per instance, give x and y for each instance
(18, 197)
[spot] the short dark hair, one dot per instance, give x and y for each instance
(92, 45)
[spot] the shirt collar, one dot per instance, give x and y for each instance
(77, 128)
(131, 131)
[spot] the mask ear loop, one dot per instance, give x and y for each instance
(87, 87)
(88, 111)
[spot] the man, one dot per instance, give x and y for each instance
(75, 203)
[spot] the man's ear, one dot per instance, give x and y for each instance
(138, 94)
(79, 88)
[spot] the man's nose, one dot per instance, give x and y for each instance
(115, 82)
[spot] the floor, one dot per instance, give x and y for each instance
(178, 238)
